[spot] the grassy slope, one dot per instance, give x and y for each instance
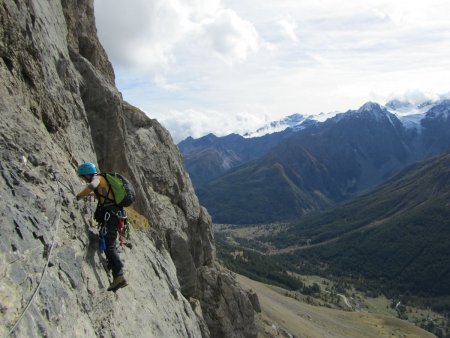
(426, 185)
(399, 234)
(264, 191)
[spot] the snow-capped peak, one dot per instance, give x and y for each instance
(370, 107)
(292, 121)
(410, 115)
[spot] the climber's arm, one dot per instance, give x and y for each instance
(89, 190)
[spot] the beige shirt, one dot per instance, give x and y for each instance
(100, 184)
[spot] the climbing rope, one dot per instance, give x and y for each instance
(57, 222)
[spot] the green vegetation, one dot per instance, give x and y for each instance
(424, 183)
(397, 237)
(407, 253)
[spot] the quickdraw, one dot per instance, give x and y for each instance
(121, 226)
(102, 241)
(102, 234)
(122, 216)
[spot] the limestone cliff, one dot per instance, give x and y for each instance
(59, 107)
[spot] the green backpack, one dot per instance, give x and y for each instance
(123, 190)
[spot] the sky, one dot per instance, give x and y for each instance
(224, 66)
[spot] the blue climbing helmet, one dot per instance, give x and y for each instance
(87, 168)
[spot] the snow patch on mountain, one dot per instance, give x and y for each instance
(410, 114)
(412, 121)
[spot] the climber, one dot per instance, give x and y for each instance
(107, 216)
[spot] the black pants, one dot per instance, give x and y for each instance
(112, 225)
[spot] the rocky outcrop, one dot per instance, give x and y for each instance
(231, 309)
(169, 201)
(59, 108)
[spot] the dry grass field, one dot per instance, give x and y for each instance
(282, 315)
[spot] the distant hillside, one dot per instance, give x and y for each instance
(210, 156)
(399, 234)
(435, 131)
(263, 191)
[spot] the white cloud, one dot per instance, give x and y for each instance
(231, 37)
(288, 27)
(194, 64)
(146, 35)
(162, 83)
(199, 123)
(416, 96)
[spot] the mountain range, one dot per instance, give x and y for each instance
(312, 165)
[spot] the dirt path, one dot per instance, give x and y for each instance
(344, 298)
(303, 320)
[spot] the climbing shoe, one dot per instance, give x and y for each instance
(117, 283)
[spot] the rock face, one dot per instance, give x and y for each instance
(59, 108)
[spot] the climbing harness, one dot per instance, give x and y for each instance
(123, 228)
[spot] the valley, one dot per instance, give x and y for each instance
(307, 305)
(384, 252)
(313, 283)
